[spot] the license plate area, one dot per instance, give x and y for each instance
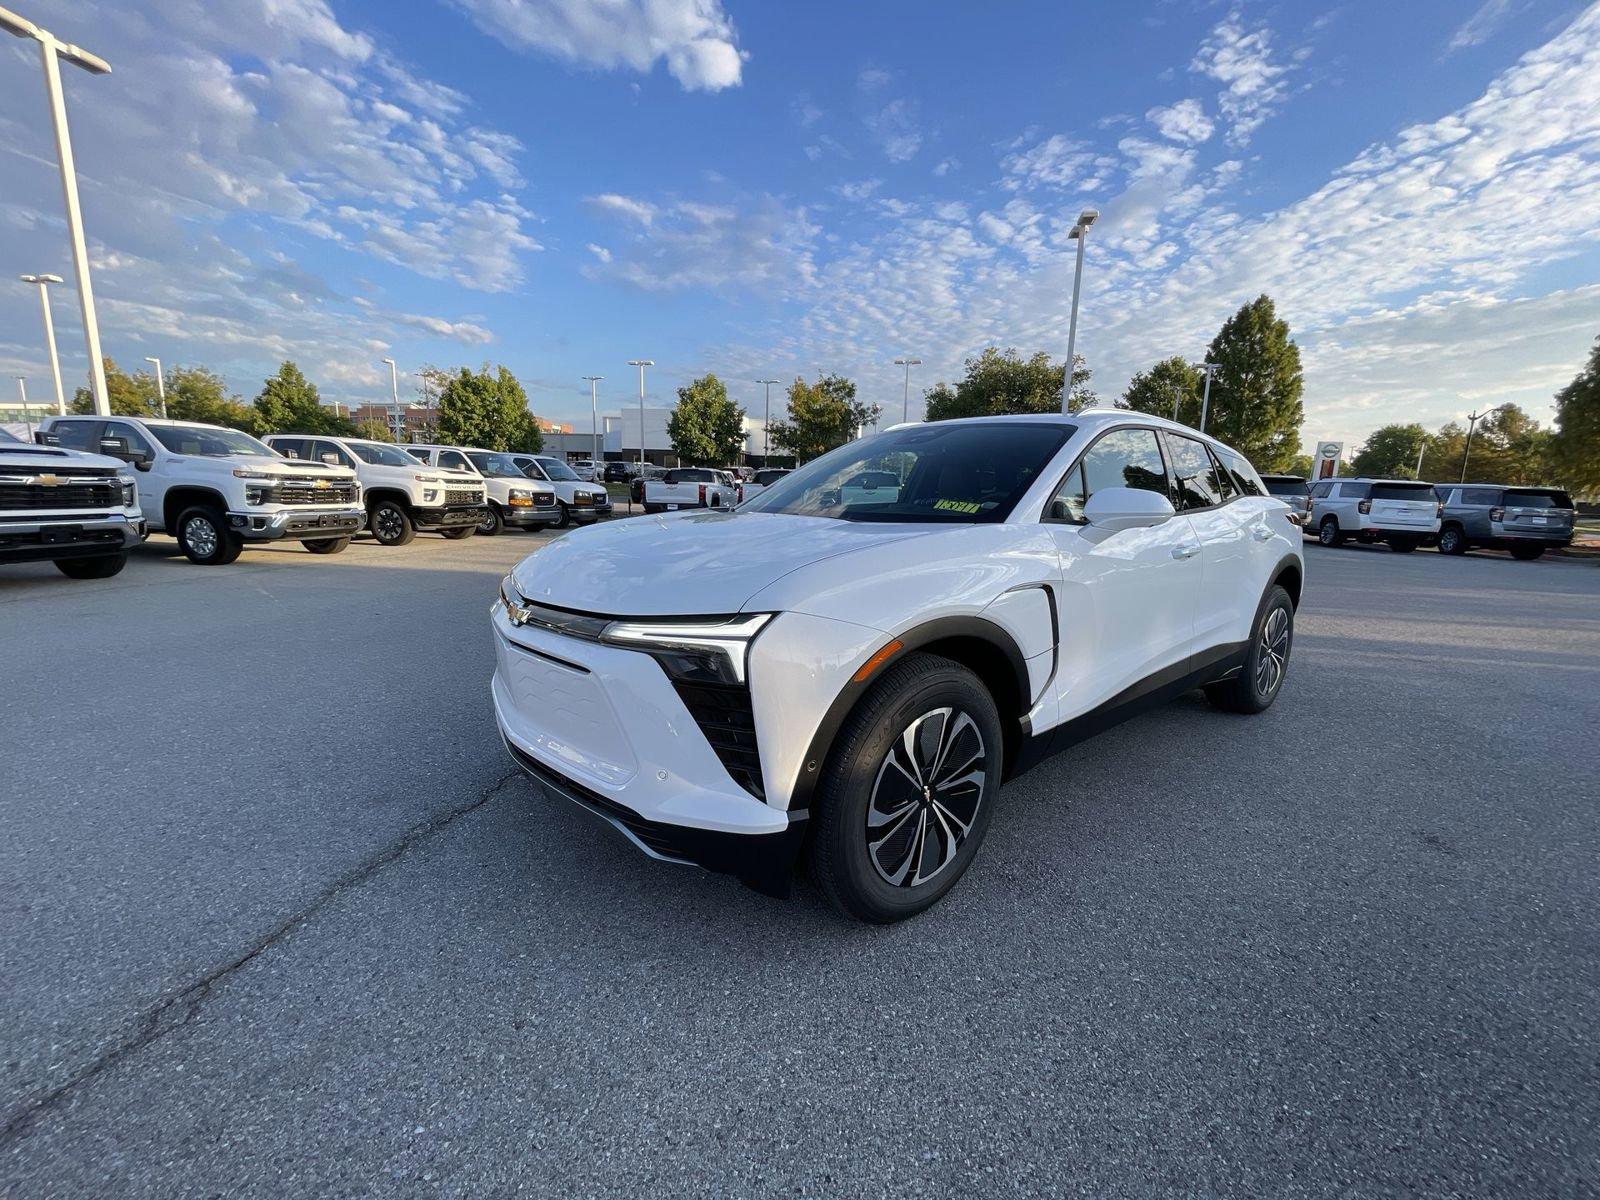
(55, 535)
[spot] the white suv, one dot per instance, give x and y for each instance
(853, 672)
(216, 489)
(1401, 512)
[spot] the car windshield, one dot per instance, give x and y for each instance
(555, 468)
(496, 464)
(380, 455)
(7, 436)
(956, 473)
(1517, 499)
(1286, 487)
(209, 441)
(1404, 491)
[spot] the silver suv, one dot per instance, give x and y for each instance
(1527, 521)
(1402, 512)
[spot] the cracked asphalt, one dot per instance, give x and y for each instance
(276, 918)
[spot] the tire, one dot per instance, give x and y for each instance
(1402, 545)
(391, 524)
(205, 539)
(1524, 552)
(492, 524)
(869, 772)
(459, 532)
(101, 566)
(1452, 540)
(327, 545)
(1328, 532)
(1255, 688)
(566, 518)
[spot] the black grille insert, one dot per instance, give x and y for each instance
(728, 721)
(305, 493)
(36, 496)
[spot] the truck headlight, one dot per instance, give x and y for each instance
(694, 651)
(518, 498)
(130, 491)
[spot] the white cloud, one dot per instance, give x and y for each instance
(896, 126)
(599, 252)
(857, 191)
(1483, 24)
(466, 332)
(753, 243)
(1185, 121)
(624, 206)
(1058, 161)
(1241, 60)
(695, 38)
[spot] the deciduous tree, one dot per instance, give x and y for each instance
(129, 395)
(822, 415)
(1390, 452)
(1575, 445)
(1172, 381)
(1000, 382)
(290, 403)
(197, 394)
(480, 408)
(706, 428)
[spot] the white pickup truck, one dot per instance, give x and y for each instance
(690, 487)
(400, 498)
(512, 498)
(79, 511)
(217, 489)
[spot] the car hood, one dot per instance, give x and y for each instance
(688, 564)
(279, 466)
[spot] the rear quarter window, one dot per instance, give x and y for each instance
(1403, 491)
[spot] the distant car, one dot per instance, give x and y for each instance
(1293, 491)
(689, 487)
(871, 487)
(1527, 521)
(584, 469)
(581, 503)
(512, 498)
(762, 480)
(616, 472)
(1402, 512)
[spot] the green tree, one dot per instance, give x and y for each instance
(706, 428)
(196, 394)
(1441, 457)
(290, 403)
(1299, 465)
(1172, 380)
(999, 382)
(477, 408)
(374, 431)
(1255, 391)
(1575, 445)
(129, 395)
(822, 415)
(1390, 452)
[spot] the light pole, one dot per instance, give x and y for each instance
(905, 401)
(161, 385)
(1421, 446)
(394, 399)
(641, 363)
(1205, 399)
(594, 414)
(766, 421)
(1177, 398)
(1472, 422)
(44, 282)
(52, 51)
(1079, 234)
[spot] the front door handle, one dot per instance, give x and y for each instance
(1185, 551)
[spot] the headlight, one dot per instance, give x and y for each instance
(130, 491)
(518, 498)
(697, 651)
(241, 473)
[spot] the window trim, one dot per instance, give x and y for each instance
(1172, 477)
(1044, 516)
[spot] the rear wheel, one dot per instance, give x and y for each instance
(566, 517)
(1452, 540)
(1402, 545)
(1328, 532)
(908, 791)
(391, 524)
(204, 538)
(1255, 687)
(492, 522)
(102, 566)
(1526, 551)
(459, 532)
(327, 545)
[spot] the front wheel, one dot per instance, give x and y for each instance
(908, 791)
(1452, 540)
(1524, 552)
(1328, 532)
(1255, 687)
(327, 545)
(204, 538)
(566, 517)
(102, 566)
(458, 532)
(391, 524)
(492, 522)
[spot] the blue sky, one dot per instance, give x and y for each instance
(765, 189)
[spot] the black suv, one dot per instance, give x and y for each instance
(1293, 491)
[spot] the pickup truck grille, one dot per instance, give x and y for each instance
(728, 722)
(303, 493)
(60, 496)
(462, 496)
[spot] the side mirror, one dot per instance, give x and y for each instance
(1127, 508)
(44, 437)
(331, 459)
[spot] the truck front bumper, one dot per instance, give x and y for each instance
(35, 539)
(298, 524)
(531, 518)
(451, 517)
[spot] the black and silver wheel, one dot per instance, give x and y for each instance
(566, 517)
(492, 522)
(327, 545)
(100, 566)
(908, 790)
(391, 524)
(1328, 532)
(1452, 540)
(204, 538)
(1260, 680)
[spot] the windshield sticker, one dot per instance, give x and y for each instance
(960, 506)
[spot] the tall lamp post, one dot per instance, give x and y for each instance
(905, 396)
(641, 363)
(594, 414)
(394, 399)
(1205, 399)
(52, 52)
(161, 385)
(1079, 234)
(44, 282)
(766, 421)
(1472, 422)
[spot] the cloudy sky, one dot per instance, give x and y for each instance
(762, 189)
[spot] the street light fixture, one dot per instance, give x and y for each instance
(641, 363)
(766, 422)
(394, 399)
(44, 282)
(1466, 451)
(594, 415)
(905, 403)
(52, 52)
(161, 385)
(1079, 234)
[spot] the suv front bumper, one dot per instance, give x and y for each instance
(298, 524)
(35, 539)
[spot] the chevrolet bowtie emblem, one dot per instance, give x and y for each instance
(49, 480)
(321, 483)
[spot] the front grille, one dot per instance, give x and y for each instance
(34, 496)
(463, 496)
(304, 493)
(728, 722)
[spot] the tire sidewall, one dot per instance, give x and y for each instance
(1328, 532)
(220, 555)
(1275, 598)
(405, 530)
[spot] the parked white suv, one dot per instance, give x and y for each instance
(400, 499)
(512, 498)
(583, 503)
(79, 511)
(854, 672)
(216, 489)
(1402, 512)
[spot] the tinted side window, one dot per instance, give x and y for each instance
(1321, 490)
(1125, 458)
(1225, 484)
(289, 447)
(1244, 476)
(453, 458)
(1067, 503)
(1487, 497)
(76, 435)
(1193, 473)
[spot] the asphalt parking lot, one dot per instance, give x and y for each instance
(279, 918)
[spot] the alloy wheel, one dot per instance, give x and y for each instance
(925, 798)
(1273, 655)
(201, 535)
(387, 524)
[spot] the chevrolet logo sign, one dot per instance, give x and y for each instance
(322, 483)
(49, 480)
